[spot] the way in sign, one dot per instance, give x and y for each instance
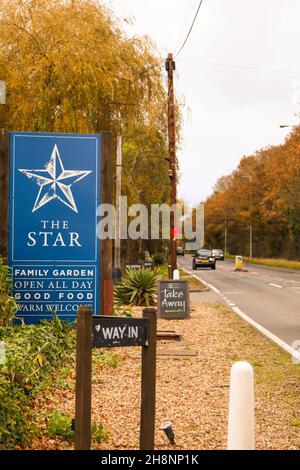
(118, 332)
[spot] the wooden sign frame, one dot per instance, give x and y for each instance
(83, 397)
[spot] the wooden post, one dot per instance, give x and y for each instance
(4, 191)
(106, 280)
(148, 383)
(83, 379)
(118, 195)
(170, 67)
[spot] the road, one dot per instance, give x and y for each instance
(269, 296)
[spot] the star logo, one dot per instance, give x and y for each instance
(55, 182)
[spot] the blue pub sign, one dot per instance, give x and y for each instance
(54, 249)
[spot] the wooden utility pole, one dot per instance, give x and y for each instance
(106, 279)
(170, 67)
(118, 196)
(4, 191)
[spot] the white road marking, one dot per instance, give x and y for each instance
(276, 285)
(204, 282)
(282, 344)
(207, 285)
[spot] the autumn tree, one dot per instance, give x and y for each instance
(264, 189)
(69, 67)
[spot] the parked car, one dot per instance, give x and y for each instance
(204, 259)
(180, 251)
(218, 254)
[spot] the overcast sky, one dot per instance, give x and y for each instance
(239, 76)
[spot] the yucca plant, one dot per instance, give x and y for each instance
(138, 287)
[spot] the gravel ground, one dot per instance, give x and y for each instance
(193, 392)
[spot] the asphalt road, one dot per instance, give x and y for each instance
(269, 296)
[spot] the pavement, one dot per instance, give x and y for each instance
(269, 296)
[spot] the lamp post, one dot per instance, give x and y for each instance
(226, 237)
(250, 209)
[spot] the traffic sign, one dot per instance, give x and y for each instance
(239, 262)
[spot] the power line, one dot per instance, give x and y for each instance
(190, 30)
(188, 17)
(242, 67)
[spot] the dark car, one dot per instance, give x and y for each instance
(180, 251)
(204, 259)
(218, 254)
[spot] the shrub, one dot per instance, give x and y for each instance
(5, 279)
(159, 259)
(32, 353)
(99, 433)
(138, 287)
(60, 425)
(15, 427)
(8, 305)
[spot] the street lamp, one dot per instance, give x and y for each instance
(226, 236)
(251, 229)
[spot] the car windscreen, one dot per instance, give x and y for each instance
(204, 253)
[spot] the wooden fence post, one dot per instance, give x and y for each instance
(83, 398)
(147, 429)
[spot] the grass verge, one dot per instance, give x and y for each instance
(273, 263)
(195, 284)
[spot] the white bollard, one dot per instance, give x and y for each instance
(241, 408)
(176, 275)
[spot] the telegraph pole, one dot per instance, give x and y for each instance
(170, 67)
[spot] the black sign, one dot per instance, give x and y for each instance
(133, 266)
(173, 299)
(118, 332)
(148, 265)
